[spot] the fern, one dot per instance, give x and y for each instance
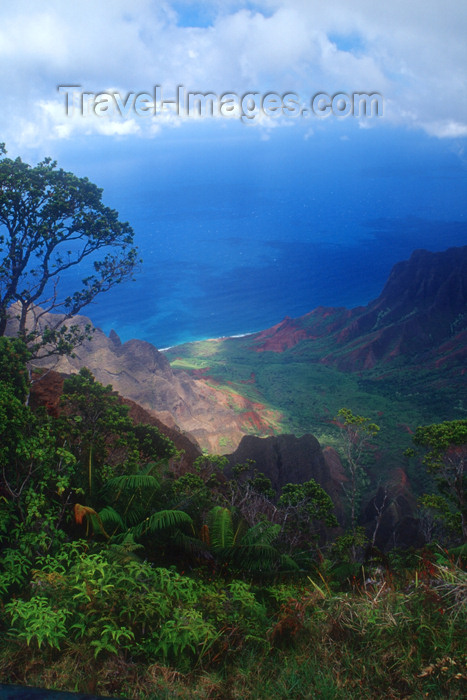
(151, 466)
(132, 482)
(253, 557)
(86, 512)
(135, 513)
(246, 549)
(287, 563)
(261, 533)
(124, 551)
(163, 520)
(111, 519)
(221, 528)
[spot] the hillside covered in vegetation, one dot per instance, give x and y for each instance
(400, 360)
(125, 573)
(134, 565)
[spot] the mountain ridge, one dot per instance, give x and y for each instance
(421, 300)
(402, 351)
(137, 370)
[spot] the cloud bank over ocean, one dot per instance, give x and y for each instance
(414, 54)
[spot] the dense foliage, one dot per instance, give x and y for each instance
(446, 457)
(122, 574)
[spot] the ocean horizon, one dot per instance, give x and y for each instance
(247, 231)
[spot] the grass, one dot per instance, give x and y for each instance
(394, 637)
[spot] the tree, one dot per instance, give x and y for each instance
(251, 493)
(304, 509)
(446, 459)
(96, 427)
(356, 435)
(13, 358)
(36, 471)
(51, 221)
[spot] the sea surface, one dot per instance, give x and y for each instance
(238, 230)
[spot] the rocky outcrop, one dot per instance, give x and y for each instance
(287, 459)
(138, 371)
(390, 518)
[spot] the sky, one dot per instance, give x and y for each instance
(166, 171)
(413, 53)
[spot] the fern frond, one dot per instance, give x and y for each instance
(220, 528)
(242, 528)
(288, 564)
(92, 516)
(110, 518)
(132, 482)
(150, 467)
(163, 520)
(125, 550)
(135, 514)
(263, 533)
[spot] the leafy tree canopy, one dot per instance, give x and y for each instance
(446, 458)
(51, 221)
(311, 499)
(13, 357)
(439, 438)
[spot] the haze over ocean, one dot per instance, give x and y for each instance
(237, 232)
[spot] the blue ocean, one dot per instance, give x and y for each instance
(238, 229)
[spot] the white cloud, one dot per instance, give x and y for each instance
(413, 53)
(449, 129)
